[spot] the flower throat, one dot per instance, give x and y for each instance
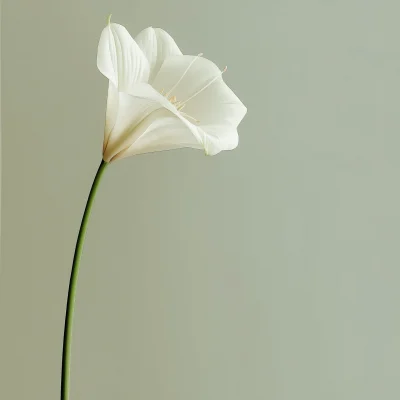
(181, 104)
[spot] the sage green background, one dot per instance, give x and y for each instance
(270, 272)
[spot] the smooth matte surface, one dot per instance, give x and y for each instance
(270, 272)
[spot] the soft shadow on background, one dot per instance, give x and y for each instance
(269, 272)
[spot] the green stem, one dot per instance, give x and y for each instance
(66, 355)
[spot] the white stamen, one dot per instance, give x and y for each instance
(206, 86)
(186, 71)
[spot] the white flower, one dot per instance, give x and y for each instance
(159, 99)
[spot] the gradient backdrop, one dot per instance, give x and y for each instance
(266, 273)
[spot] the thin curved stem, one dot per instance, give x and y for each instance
(66, 355)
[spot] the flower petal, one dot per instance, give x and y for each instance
(157, 45)
(218, 138)
(120, 59)
(130, 113)
(161, 130)
(111, 111)
(146, 117)
(197, 83)
(146, 91)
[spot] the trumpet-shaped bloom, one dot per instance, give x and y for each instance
(160, 99)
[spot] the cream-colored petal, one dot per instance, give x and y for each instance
(197, 83)
(120, 59)
(111, 111)
(161, 130)
(131, 112)
(147, 92)
(217, 138)
(141, 117)
(157, 45)
(212, 137)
